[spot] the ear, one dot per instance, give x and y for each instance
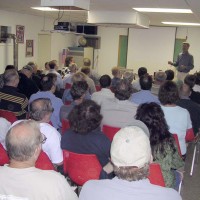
(37, 152)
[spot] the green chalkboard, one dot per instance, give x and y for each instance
(122, 52)
(178, 48)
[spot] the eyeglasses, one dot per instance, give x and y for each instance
(44, 138)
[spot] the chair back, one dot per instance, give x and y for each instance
(155, 175)
(98, 88)
(10, 116)
(68, 103)
(68, 86)
(110, 131)
(81, 167)
(65, 125)
(4, 159)
(43, 162)
(190, 135)
(177, 144)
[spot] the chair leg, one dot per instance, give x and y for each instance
(193, 159)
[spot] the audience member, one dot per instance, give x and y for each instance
(48, 89)
(116, 77)
(46, 68)
(136, 84)
(145, 95)
(78, 92)
(178, 119)
(53, 69)
(119, 112)
(11, 99)
(190, 81)
(159, 79)
(26, 85)
(192, 107)
(105, 92)
(130, 155)
(90, 82)
(41, 111)
(196, 87)
(5, 125)
(163, 146)
(170, 75)
(129, 76)
(69, 60)
(85, 136)
(20, 179)
(68, 77)
(1, 75)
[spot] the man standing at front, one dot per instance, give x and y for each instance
(184, 63)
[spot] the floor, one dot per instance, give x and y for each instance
(191, 184)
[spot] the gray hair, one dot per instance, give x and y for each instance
(128, 76)
(23, 139)
(39, 108)
(10, 75)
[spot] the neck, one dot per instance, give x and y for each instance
(170, 105)
(21, 165)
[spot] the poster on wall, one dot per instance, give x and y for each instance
(29, 48)
(20, 33)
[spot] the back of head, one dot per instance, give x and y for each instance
(73, 67)
(128, 76)
(10, 76)
(47, 83)
(52, 64)
(78, 76)
(105, 81)
(184, 91)
(10, 67)
(160, 77)
(170, 75)
(40, 108)
(85, 117)
(68, 60)
(78, 89)
(116, 71)
(142, 71)
(131, 153)
(22, 140)
(123, 90)
(168, 93)
(85, 70)
(146, 82)
(190, 80)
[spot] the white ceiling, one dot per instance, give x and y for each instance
(23, 6)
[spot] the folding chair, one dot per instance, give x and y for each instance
(10, 116)
(110, 131)
(4, 159)
(65, 125)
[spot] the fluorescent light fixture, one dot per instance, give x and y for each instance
(44, 8)
(163, 10)
(182, 23)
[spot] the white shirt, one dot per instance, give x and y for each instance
(103, 94)
(34, 184)
(118, 113)
(5, 125)
(52, 145)
(178, 120)
(136, 84)
(118, 189)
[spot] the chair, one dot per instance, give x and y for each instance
(98, 88)
(81, 167)
(177, 143)
(68, 86)
(4, 159)
(110, 131)
(65, 125)
(189, 135)
(43, 162)
(10, 116)
(155, 175)
(68, 102)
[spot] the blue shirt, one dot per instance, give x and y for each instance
(144, 96)
(56, 104)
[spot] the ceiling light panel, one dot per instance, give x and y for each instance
(163, 10)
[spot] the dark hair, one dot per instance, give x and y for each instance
(170, 74)
(190, 80)
(197, 78)
(85, 117)
(78, 89)
(168, 93)
(160, 137)
(68, 60)
(47, 83)
(85, 70)
(105, 81)
(146, 82)
(10, 67)
(142, 71)
(123, 90)
(52, 65)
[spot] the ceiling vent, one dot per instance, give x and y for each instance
(67, 4)
(118, 19)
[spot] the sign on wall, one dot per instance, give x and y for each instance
(20, 33)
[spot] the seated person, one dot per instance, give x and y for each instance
(131, 156)
(116, 77)
(163, 146)
(178, 119)
(145, 94)
(85, 136)
(170, 75)
(105, 92)
(68, 77)
(119, 111)
(78, 92)
(20, 179)
(196, 87)
(136, 84)
(41, 111)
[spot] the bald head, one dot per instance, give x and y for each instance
(22, 140)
